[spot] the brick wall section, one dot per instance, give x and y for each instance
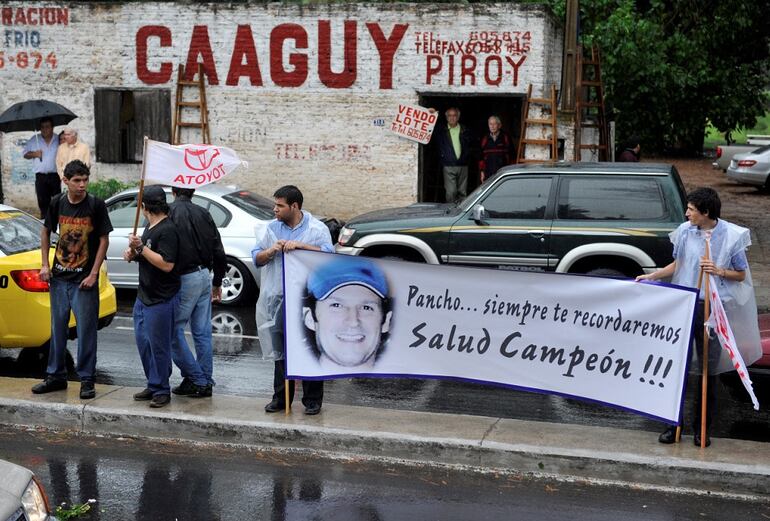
(319, 134)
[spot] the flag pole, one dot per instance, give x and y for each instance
(700, 282)
(141, 186)
(704, 377)
(286, 384)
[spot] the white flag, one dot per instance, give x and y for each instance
(187, 166)
(718, 322)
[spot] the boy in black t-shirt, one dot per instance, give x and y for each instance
(158, 295)
(84, 227)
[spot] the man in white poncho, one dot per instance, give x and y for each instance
(292, 229)
(729, 267)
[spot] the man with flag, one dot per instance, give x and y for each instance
(716, 247)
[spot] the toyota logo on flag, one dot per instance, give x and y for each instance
(200, 159)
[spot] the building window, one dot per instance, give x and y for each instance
(123, 117)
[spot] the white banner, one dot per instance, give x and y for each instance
(188, 166)
(414, 122)
(615, 342)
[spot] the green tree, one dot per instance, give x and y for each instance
(671, 65)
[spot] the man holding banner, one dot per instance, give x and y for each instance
(710, 245)
(292, 229)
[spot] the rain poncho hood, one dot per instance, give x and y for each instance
(726, 241)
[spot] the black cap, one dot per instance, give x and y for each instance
(154, 194)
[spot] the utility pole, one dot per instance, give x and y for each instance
(569, 61)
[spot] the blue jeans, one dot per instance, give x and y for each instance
(154, 332)
(194, 307)
(84, 303)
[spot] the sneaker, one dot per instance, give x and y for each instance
(202, 391)
(143, 396)
(185, 388)
(50, 384)
(87, 390)
(160, 400)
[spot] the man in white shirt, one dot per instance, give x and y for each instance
(41, 149)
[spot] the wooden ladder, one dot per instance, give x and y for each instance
(589, 105)
(199, 104)
(546, 121)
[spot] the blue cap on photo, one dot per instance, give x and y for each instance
(344, 272)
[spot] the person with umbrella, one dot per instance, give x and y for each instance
(43, 115)
(41, 149)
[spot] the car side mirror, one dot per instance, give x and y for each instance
(479, 213)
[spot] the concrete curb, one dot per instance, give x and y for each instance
(491, 444)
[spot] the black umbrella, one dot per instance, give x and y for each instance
(26, 115)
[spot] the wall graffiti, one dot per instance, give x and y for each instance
(21, 169)
(488, 56)
(23, 47)
(323, 152)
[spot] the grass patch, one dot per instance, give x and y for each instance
(714, 137)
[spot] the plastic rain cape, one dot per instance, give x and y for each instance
(269, 313)
(738, 299)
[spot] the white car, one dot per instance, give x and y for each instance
(21, 496)
(240, 215)
(751, 168)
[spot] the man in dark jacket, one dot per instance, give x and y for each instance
(454, 145)
(200, 249)
(495, 150)
(631, 152)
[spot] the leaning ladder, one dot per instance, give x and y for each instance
(589, 105)
(197, 104)
(545, 123)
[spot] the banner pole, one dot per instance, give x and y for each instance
(141, 186)
(704, 377)
(286, 384)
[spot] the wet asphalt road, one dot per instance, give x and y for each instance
(133, 480)
(239, 369)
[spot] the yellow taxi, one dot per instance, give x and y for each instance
(25, 307)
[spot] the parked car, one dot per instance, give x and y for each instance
(725, 153)
(596, 218)
(25, 308)
(752, 168)
(22, 497)
(240, 215)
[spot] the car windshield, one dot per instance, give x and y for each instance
(761, 150)
(18, 232)
(251, 203)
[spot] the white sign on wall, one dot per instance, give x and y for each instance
(615, 342)
(414, 122)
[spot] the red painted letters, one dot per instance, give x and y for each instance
(346, 78)
(201, 46)
(281, 76)
(142, 72)
(387, 48)
(244, 48)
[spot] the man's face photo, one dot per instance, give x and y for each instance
(349, 324)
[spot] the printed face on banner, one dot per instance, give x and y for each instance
(620, 343)
(348, 326)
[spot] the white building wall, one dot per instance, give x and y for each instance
(325, 138)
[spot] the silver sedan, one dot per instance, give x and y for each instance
(21, 495)
(751, 168)
(240, 215)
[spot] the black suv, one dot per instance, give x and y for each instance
(596, 218)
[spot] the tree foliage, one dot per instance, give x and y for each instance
(671, 65)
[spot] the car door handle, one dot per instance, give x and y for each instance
(536, 233)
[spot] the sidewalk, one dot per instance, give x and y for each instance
(480, 443)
